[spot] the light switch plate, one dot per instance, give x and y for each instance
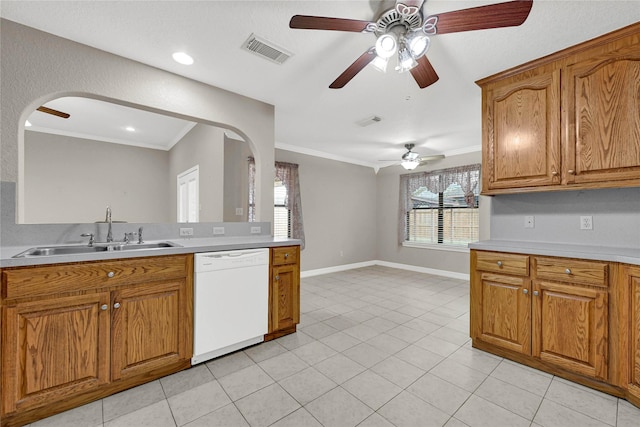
(256, 230)
(239, 211)
(218, 231)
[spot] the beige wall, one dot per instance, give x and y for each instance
(236, 180)
(71, 180)
(202, 146)
(388, 190)
(36, 67)
(338, 208)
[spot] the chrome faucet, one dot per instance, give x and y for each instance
(108, 220)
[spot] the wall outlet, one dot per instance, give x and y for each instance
(186, 232)
(529, 222)
(256, 230)
(586, 222)
(218, 231)
(239, 211)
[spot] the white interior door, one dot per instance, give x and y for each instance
(188, 195)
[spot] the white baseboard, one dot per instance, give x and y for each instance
(335, 269)
(344, 267)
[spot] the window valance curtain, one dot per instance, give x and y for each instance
(468, 177)
(288, 174)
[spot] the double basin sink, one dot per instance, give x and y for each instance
(85, 249)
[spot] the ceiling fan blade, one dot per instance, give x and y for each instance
(424, 73)
(48, 110)
(353, 69)
(423, 159)
(509, 14)
(306, 22)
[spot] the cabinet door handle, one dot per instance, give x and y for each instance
(111, 274)
(103, 307)
(525, 291)
(536, 293)
(568, 271)
(571, 172)
(499, 263)
(277, 277)
(554, 173)
(116, 305)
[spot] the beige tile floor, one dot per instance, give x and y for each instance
(376, 347)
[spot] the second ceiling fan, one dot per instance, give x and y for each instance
(403, 31)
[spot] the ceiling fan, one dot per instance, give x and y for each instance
(411, 160)
(404, 32)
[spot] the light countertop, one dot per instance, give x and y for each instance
(600, 253)
(193, 245)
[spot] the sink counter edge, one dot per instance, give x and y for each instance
(187, 246)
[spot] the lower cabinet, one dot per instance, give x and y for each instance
(550, 310)
(570, 327)
(53, 349)
(284, 291)
(631, 340)
(117, 324)
(148, 327)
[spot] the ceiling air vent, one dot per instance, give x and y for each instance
(266, 49)
(369, 121)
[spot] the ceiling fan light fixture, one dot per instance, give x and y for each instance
(380, 63)
(417, 43)
(410, 164)
(386, 45)
(405, 61)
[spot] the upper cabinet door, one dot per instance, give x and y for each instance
(602, 113)
(521, 131)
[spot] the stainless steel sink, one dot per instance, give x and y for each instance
(139, 246)
(84, 249)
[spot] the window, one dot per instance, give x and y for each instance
(440, 207)
(281, 214)
(188, 195)
(287, 209)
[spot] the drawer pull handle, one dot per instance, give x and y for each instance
(554, 173)
(536, 293)
(499, 263)
(525, 291)
(568, 271)
(103, 307)
(571, 172)
(116, 305)
(286, 256)
(111, 274)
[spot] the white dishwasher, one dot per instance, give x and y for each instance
(230, 301)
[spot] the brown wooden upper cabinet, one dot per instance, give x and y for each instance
(567, 121)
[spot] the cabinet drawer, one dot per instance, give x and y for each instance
(499, 262)
(59, 278)
(591, 273)
(285, 255)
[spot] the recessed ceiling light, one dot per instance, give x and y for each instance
(182, 58)
(130, 129)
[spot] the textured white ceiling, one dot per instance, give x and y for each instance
(310, 117)
(104, 121)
